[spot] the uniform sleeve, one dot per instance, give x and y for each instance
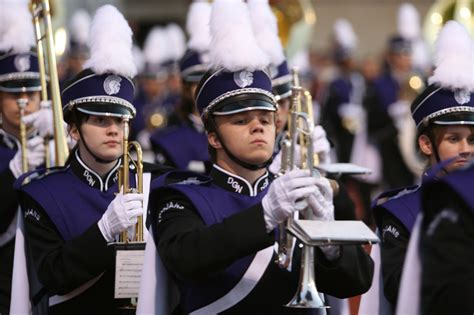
(189, 249)
(448, 258)
(394, 245)
(350, 275)
(61, 265)
(9, 199)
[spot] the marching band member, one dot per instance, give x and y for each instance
(19, 80)
(344, 117)
(71, 213)
(387, 103)
(446, 244)
(442, 116)
(215, 234)
(191, 153)
(160, 82)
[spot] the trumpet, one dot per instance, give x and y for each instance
(124, 178)
(300, 128)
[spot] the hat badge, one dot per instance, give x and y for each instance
(112, 84)
(462, 96)
(22, 62)
(243, 78)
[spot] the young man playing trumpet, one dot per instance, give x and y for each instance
(216, 234)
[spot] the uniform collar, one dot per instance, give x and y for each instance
(237, 184)
(13, 142)
(9, 140)
(90, 177)
(196, 123)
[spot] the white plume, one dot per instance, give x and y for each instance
(156, 48)
(408, 21)
(79, 26)
(16, 29)
(176, 41)
(454, 58)
(344, 34)
(197, 26)
(110, 43)
(138, 58)
(421, 56)
(233, 45)
(266, 30)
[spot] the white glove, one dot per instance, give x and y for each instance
(35, 154)
(322, 206)
(42, 121)
(321, 201)
(321, 145)
(121, 213)
(275, 167)
(281, 200)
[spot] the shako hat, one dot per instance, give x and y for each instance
(19, 71)
(238, 79)
(449, 98)
(105, 87)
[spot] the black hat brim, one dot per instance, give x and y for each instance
(243, 103)
(23, 85)
(105, 109)
(460, 118)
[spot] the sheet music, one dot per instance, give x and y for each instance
(343, 168)
(315, 233)
(128, 268)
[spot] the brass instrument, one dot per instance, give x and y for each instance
(41, 11)
(136, 241)
(296, 20)
(124, 177)
(22, 103)
(300, 128)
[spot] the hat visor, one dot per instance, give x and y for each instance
(23, 85)
(193, 77)
(463, 118)
(282, 90)
(106, 109)
(238, 106)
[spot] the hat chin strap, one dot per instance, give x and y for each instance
(252, 167)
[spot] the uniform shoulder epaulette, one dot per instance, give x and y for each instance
(187, 178)
(41, 173)
(393, 194)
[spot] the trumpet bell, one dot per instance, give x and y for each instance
(307, 295)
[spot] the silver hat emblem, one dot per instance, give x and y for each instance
(243, 78)
(462, 96)
(112, 84)
(22, 62)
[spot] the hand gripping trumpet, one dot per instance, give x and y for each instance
(300, 128)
